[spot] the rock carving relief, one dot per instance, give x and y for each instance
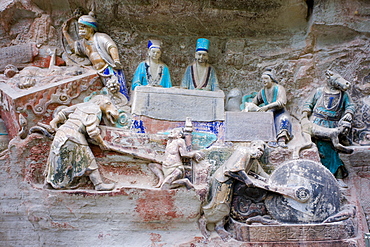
(257, 172)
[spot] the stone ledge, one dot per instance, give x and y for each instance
(293, 232)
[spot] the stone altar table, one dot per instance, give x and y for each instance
(175, 104)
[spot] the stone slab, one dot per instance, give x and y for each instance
(290, 233)
(248, 126)
(175, 104)
(18, 55)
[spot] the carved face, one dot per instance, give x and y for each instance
(113, 85)
(175, 133)
(267, 81)
(201, 57)
(85, 31)
(336, 81)
(155, 53)
(110, 111)
(257, 149)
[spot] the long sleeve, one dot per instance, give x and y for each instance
(139, 78)
(166, 78)
(187, 81)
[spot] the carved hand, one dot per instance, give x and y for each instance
(304, 115)
(117, 65)
(104, 146)
(347, 117)
(54, 124)
(198, 156)
(263, 109)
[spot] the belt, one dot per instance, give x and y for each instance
(326, 117)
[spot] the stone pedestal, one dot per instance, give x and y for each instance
(320, 235)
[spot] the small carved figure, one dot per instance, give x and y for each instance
(152, 72)
(217, 209)
(70, 156)
(98, 47)
(200, 74)
(331, 111)
(272, 97)
(171, 171)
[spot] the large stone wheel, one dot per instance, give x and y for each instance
(318, 184)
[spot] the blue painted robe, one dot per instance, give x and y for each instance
(190, 81)
(327, 113)
(142, 76)
(283, 125)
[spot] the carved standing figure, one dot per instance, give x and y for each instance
(200, 74)
(272, 97)
(331, 111)
(152, 72)
(217, 208)
(70, 155)
(171, 171)
(101, 50)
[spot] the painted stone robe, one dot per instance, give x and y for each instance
(191, 81)
(103, 43)
(70, 155)
(219, 201)
(327, 109)
(283, 125)
(143, 77)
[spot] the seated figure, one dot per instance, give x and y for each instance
(152, 71)
(200, 74)
(99, 48)
(272, 97)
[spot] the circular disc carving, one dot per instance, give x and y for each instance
(313, 181)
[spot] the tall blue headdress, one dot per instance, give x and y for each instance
(202, 44)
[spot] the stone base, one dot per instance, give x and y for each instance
(333, 234)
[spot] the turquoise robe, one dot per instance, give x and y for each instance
(142, 76)
(328, 115)
(283, 124)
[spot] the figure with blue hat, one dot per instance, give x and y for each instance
(200, 74)
(98, 47)
(152, 71)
